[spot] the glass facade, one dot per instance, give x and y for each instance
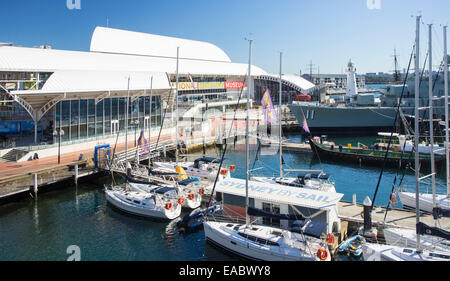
(84, 119)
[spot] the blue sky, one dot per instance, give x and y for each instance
(328, 32)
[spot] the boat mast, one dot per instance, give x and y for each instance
(416, 127)
(280, 117)
(247, 148)
(150, 122)
(126, 120)
(430, 96)
(446, 110)
(176, 109)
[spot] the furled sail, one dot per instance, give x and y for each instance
(424, 229)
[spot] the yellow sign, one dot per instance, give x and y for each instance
(185, 86)
(211, 85)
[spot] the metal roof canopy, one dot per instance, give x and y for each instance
(98, 85)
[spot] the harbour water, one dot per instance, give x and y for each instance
(43, 229)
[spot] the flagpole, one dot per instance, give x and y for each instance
(280, 118)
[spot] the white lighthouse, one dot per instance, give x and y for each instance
(352, 89)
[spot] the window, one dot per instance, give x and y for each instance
(273, 209)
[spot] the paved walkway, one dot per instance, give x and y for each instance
(10, 169)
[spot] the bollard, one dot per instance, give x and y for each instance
(76, 174)
(354, 199)
(35, 184)
(128, 169)
(367, 215)
(165, 151)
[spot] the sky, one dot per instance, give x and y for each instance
(327, 32)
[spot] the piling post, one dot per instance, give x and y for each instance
(35, 184)
(76, 174)
(354, 199)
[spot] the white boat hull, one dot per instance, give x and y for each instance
(408, 200)
(312, 184)
(216, 235)
(150, 212)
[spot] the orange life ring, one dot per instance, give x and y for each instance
(322, 254)
(330, 238)
(169, 206)
(394, 202)
(201, 192)
(191, 196)
(223, 172)
(181, 201)
(233, 168)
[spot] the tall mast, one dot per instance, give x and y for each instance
(430, 96)
(247, 148)
(446, 110)
(150, 122)
(126, 120)
(280, 117)
(416, 126)
(176, 109)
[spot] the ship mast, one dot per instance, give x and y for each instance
(416, 127)
(280, 118)
(430, 96)
(446, 110)
(247, 218)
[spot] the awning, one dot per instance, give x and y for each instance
(98, 85)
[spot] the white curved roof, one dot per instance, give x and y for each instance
(109, 40)
(51, 60)
(65, 81)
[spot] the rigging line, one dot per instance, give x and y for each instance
(164, 118)
(392, 134)
(226, 144)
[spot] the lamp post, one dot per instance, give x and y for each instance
(59, 135)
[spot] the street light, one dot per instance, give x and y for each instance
(60, 134)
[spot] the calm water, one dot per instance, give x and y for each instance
(42, 229)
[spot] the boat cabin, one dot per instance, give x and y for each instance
(279, 199)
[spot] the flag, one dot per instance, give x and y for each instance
(192, 81)
(305, 125)
(269, 111)
(143, 144)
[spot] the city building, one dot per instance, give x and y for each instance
(45, 92)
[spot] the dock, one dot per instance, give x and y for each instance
(296, 147)
(352, 213)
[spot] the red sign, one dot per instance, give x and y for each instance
(234, 85)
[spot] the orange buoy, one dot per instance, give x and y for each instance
(233, 168)
(322, 254)
(191, 196)
(181, 201)
(330, 238)
(169, 206)
(223, 172)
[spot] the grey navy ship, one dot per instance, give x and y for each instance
(366, 112)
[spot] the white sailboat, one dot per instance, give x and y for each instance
(159, 203)
(310, 179)
(423, 251)
(264, 242)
